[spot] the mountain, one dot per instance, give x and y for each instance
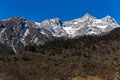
(19, 32)
(88, 25)
(16, 33)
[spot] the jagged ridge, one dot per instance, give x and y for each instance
(19, 32)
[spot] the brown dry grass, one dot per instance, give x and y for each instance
(88, 78)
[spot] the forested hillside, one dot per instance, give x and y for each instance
(81, 58)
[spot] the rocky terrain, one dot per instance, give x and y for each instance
(16, 33)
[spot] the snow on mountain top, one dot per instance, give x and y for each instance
(80, 26)
(109, 19)
(87, 15)
(86, 25)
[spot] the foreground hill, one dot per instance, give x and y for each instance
(82, 58)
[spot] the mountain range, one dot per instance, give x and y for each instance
(16, 33)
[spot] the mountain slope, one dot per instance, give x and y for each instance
(63, 59)
(16, 32)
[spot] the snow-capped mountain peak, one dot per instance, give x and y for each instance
(55, 26)
(88, 25)
(87, 15)
(109, 19)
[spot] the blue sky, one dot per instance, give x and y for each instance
(39, 10)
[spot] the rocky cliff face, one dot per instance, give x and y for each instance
(16, 33)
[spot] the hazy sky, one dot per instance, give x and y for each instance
(39, 10)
